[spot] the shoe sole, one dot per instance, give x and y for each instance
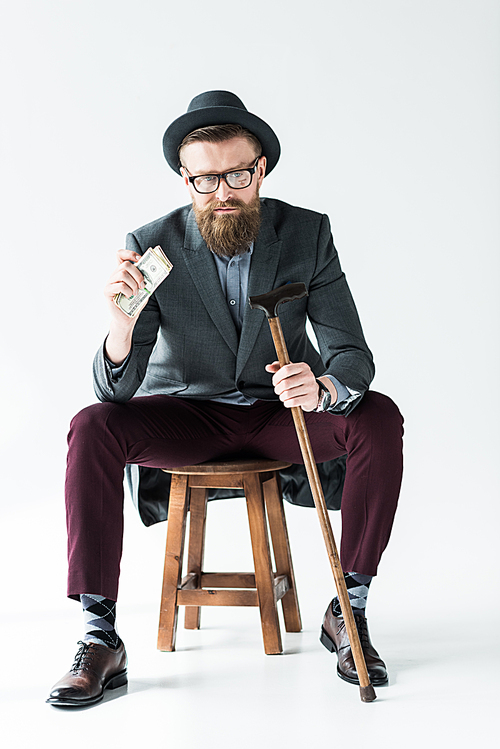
(327, 641)
(117, 680)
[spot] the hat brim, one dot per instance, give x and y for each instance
(186, 123)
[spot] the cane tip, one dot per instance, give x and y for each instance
(367, 693)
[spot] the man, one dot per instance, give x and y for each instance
(193, 378)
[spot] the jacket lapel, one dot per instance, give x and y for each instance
(265, 259)
(201, 267)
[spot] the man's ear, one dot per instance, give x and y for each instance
(261, 169)
(184, 175)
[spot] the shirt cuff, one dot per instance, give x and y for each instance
(345, 395)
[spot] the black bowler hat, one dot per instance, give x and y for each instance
(219, 108)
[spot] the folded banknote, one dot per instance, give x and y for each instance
(155, 267)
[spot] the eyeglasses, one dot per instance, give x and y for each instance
(236, 180)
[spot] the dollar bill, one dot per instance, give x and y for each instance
(155, 267)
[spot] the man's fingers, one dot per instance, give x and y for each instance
(126, 279)
(291, 370)
(289, 393)
(120, 287)
(132, 257)
(295, 384)
(128, 273)
(272, 367)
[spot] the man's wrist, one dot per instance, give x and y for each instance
(326, 381)
(324, 398)
(117, 346)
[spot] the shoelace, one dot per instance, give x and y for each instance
(362, 628)
(83, 657)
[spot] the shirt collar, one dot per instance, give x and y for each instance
(226, 260)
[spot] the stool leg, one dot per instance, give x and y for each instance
(264, 577)
(197, 523)
(282, 555)
(176, 529)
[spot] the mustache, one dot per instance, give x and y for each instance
(233, 203)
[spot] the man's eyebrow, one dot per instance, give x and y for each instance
(238, 166)
(241, 165)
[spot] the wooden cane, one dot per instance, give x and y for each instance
(269, 303)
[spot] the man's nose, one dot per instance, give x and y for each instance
(223, 192)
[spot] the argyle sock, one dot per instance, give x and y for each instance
(99, 615)
(357, 587)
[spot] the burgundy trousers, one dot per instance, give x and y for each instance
(160, 431)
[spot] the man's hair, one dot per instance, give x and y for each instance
(219, 134)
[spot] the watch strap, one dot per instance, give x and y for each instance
(325, 398)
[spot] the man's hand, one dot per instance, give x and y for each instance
(296, 385)
(127, 280)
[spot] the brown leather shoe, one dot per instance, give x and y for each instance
(334, 638)
(95, 669)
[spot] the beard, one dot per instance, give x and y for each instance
(229, 235)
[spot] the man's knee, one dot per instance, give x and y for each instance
(91, 418)
(383, 405)
(380, 412)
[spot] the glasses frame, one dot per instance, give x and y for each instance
(224, 176)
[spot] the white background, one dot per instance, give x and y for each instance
(388, 116)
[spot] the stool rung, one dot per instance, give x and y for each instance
(189, 581)
(228, 580)
(281, 586)
(232, 583)
(218, 580)
(217, 597)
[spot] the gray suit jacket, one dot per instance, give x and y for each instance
(185, 343)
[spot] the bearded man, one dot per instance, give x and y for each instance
(193, 378)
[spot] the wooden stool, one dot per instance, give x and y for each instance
(259, 480)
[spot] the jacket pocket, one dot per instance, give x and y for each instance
(154, 384)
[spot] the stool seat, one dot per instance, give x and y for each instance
(259, 479)
(247, 465)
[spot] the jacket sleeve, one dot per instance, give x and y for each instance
(335, 321)
(110, 386)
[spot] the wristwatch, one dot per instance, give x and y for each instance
(325, 398)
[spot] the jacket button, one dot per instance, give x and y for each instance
(241, 384)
